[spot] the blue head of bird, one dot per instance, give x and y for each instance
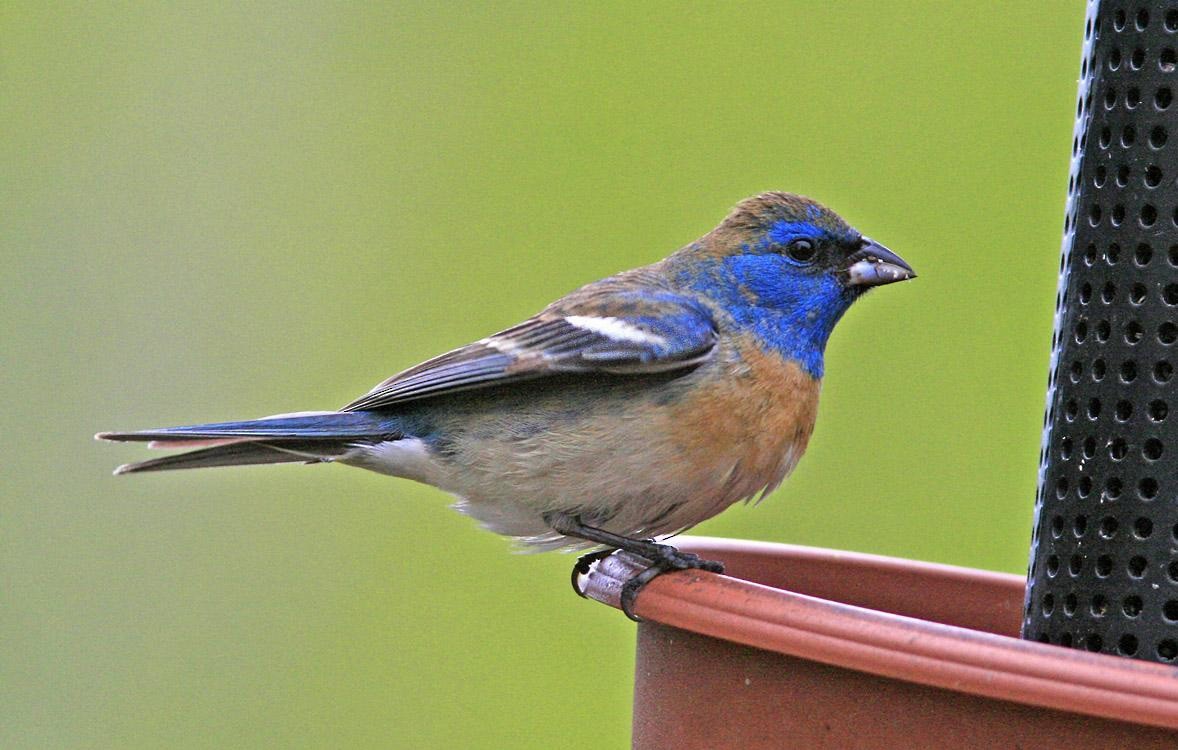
(784, 269)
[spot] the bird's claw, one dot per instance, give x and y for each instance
(668, 559)
(676, 560)
(665, 558)
(584, 564)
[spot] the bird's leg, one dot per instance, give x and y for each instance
(663, 557)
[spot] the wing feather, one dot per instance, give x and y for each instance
(619, 333)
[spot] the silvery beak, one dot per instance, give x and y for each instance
(875, 265)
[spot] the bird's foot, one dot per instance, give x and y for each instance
(665, 558)
(584, 564)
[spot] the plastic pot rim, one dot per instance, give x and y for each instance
(886, 644)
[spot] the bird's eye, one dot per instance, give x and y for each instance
(801, 250)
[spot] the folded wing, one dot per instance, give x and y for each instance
(617, 333)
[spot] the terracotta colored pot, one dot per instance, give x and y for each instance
(862, 651)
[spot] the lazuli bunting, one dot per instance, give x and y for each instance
(630, 409)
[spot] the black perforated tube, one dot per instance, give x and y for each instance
(1104, 556)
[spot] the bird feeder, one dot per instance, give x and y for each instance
(1104, 561)
(796, 647)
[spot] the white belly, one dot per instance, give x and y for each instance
(509, 486)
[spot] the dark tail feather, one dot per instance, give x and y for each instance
(286, 438)
(243, 454)
(313, 426)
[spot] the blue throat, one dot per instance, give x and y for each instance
(786, 309)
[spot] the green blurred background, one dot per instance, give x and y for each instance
(218, 212)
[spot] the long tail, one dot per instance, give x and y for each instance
(286, 438)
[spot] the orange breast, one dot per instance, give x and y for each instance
(754, 423)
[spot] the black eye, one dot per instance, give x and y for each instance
(801, 250)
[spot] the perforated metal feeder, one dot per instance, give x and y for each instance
(797, 647)
(1104, 561)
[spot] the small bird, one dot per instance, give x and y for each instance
(627, 411)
